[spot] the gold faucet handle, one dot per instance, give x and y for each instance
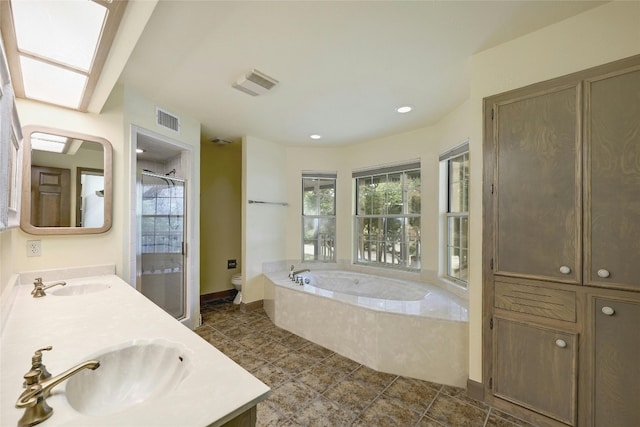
(36, 362)
(37, 284)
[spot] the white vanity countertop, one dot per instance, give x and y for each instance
(80, 326)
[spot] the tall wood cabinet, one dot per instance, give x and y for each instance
(561, 251)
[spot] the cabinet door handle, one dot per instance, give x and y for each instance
(565, 269)
(603, 273)
(608, 310)
(561, 343)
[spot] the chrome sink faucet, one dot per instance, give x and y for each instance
(39, 288)
(34, 398)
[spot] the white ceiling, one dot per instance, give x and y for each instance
(343, 67)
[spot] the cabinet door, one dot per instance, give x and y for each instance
(616, 371)
(538, 175)
(536, 367)
(612, 208)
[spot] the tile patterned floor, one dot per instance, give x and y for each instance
(313, 386)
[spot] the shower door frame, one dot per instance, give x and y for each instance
(190, 160)
(139, 215)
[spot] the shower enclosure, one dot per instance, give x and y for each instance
(161, 248)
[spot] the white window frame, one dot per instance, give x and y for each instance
(325, 244)
(451, 263)
(406, 261)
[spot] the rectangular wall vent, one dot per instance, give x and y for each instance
(167, 120)
(255, 83)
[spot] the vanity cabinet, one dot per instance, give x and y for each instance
(561, 248)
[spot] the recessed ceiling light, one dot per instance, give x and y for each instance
(139, 150)
(315, 136)
(404, 109)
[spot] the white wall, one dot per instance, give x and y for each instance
(595, 37)
(264, 226)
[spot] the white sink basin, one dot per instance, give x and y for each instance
(87, 288)
(128, 374)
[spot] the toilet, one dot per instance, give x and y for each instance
(236, 281)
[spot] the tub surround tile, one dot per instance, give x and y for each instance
(373, 338)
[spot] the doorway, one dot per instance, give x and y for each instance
(161, 224)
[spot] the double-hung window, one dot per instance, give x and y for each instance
(319, 217)
(457, 166)
(387, 216)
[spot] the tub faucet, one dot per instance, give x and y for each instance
(34, 398)
(39, 287)
(294, 274)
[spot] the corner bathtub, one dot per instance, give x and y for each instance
(401, 327)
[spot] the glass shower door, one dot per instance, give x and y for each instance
(161, 256)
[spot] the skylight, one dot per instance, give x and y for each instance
(56, 49)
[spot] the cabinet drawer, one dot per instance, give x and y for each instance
(536, 300)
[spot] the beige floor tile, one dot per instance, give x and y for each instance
(413, 394)
(385, 411)
(351, 395)
(320, 377)
(322, 412)
(451, 411)
(294, 363)
(290, 397)
(341, 364)
(373, 379)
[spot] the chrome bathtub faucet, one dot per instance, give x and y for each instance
(39, 288)
(34, 398)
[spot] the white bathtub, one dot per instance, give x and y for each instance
(401, 327)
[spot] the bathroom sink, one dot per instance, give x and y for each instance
(87, 288)
(128, 374)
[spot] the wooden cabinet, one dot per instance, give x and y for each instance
(536, 367)
(612, 187)
(537, 200)
(616, 371)
(561, 242)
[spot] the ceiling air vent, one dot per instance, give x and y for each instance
(167, 120)
(255, 83)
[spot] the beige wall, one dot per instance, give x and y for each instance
(60, 251)
(425, 144)
(595, 37)
(220, 215)
(264, 226)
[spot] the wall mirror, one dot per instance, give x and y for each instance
(67, 182)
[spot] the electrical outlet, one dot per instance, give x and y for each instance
(34, 248)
